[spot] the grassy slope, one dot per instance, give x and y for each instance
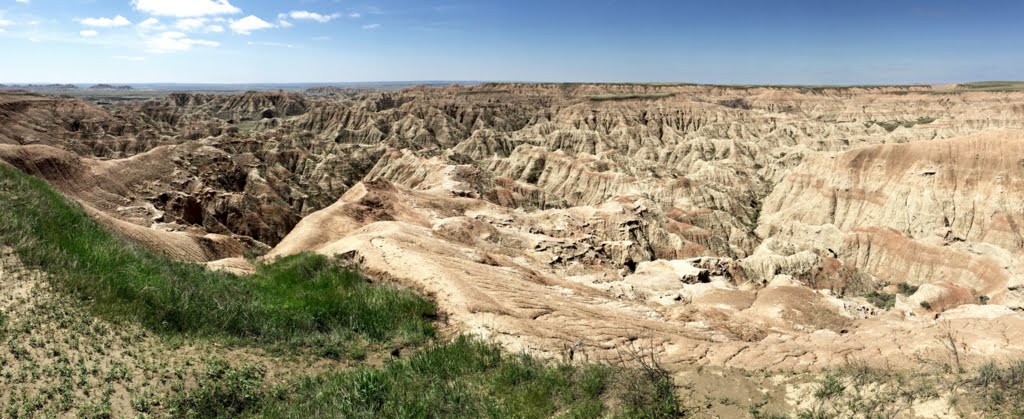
(305, 300)
(463, 378)
(302, 300)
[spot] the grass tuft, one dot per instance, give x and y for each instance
(222, 392)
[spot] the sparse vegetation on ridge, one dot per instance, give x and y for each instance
(991, 390)
(629, 96)
(992, 86)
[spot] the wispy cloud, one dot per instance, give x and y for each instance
(167, 42)
(105, 22)
(371, 26)
(198, 24)
(23, 1)
(151, 24)
(307, 15)
(185, 8)
(190, 24)
(272, 44)
(128, 58)
(88, 33)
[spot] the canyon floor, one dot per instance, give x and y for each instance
(774, 248)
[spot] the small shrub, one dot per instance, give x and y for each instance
(881, 300)
(831, 387)
(738, 103)
(223, 392)
(907, 289)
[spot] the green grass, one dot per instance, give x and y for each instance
(1000, 388)
(993, 390)
(993, 86)
(222, 392)
(468, 378)
(304, 300)
(465, 378)
(881, 300)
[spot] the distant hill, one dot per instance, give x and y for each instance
(42, 86)
(993, 86)
(110, 87)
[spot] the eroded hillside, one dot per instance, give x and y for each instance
(738, 227)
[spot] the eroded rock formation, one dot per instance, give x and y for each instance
(756, 227)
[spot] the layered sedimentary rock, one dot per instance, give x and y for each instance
(946, 212)
(754, 227)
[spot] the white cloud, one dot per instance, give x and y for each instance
(306, 15)
(105, 22)
(198, 24)
(88, 33)
(167, 42)
(128, 58)
(284, 24)
(185, 8)
(371, 26)
(190, 24)
(355, 15)
(4, 22)
(248, 24)
(23, 1)
(151, 24)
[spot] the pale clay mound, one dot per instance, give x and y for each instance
(728, 227)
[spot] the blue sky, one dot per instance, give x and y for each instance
(726, 41)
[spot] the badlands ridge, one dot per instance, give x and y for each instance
(779, 228)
